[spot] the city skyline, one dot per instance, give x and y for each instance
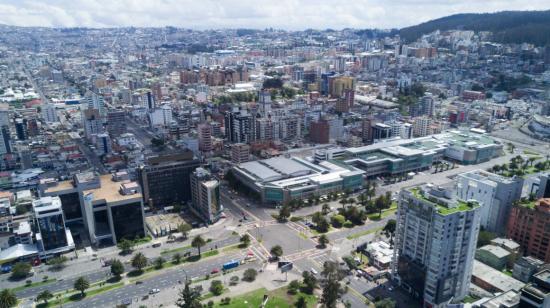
(288, 14)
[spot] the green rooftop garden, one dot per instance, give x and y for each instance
(443, 209)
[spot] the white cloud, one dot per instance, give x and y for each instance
(208, 14)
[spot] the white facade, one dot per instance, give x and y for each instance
(49, 113)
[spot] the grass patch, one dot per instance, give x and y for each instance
(363, 233)
(469, 299)
(296, 218)
(34, 284)
(233, 248)
(203, 255)
(142, 240)
(507, 272)
(529, 152)
(75, 297)
(385, 213)
(179, 249)
(303, 235)
(277, 299)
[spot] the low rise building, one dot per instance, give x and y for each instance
(494, 256)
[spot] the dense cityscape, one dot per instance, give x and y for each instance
(173, 167)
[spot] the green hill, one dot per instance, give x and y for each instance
(507, 27)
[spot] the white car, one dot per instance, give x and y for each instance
(154, 291)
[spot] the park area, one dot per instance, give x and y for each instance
(277, 298)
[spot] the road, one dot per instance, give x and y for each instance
(103, 273)
(167, 279)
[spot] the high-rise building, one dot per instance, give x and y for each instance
(52, 236)
(240, 153)
(528, 225)
(103, 143)
(21, 129)
(421, 126)
(381, 131)
(319, 131)
(5, 145)
(205, 137)
(49, 113)
(205, 195)
(264, 103)
(496, 193)
(116, 123)
(435, 244)
(4, 114)
(165, 179)
(424, 107)
(92, 123)
(95, 101)
(239, 126)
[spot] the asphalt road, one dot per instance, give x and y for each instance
(102, 274)
(164, 280)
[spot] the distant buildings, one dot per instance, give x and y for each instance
(166, 180)
(205, 196)
(435, 244)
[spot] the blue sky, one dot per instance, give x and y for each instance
(210, 14)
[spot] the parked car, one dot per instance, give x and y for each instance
(154, 291)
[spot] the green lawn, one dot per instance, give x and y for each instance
(75, 296)
(175, 249)
(278, 298)
(34, 284)
(362, 233)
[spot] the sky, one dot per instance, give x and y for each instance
(258, 14)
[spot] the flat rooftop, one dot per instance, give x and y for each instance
(495, 278)
(60, 186)
(109, 190)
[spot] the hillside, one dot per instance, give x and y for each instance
(507, 27)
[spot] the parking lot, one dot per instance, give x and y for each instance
(282, 235)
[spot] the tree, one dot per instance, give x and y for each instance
(316, 217)
(245, 240)
(189, 298)
(157, 142)
(176, 258)
(284, 213)
(198, 242)
(332, 289)
(322, 225)
(337, 220)
(380, 204)
(301, 302)
(184, 229)
(323, 241)
(126, 246)
(216, 287)
(325, 209)
(139, 261)
(7, 298)
(20, 270)
(293, 287)
(385, 303)
(81, 284)
(44, 296)
(309, 282)
(276, 251)
(389, 229)
(117, 268)
(250, 275)
(159, 262)
(57, 263)
(485, 238)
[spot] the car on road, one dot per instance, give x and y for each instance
(139, 282)
(127, 301)
(215, 271)
(154, 291)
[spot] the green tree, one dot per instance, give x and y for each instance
(176, 258)
(57, 263)
(385, 303)
(276, 251)
(380, 204)
(309, 282)
(301, 302)
(139, 261)
(184, 229)
(117, 268)
(198, 242)
(337, 221)
(485, 238)
(189, 298)
(250, 275)
(323, 241)
(81, 284)
(126, 246)
(20, 270)
(389, 229)
(159, 262)
(216, 287)
(45, 296)
(7, 298)
(332, 289)
(293, 287)
(322, 225)
(325, 209)
(284, 213)
(245, 240)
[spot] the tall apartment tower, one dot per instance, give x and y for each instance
(116, 123)
(205, 137)
(240, 153)
(91, 122)
(239, 126)
(205, 196)
(435, 244)
(52, 236)
(5, 145)
(495, 193)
